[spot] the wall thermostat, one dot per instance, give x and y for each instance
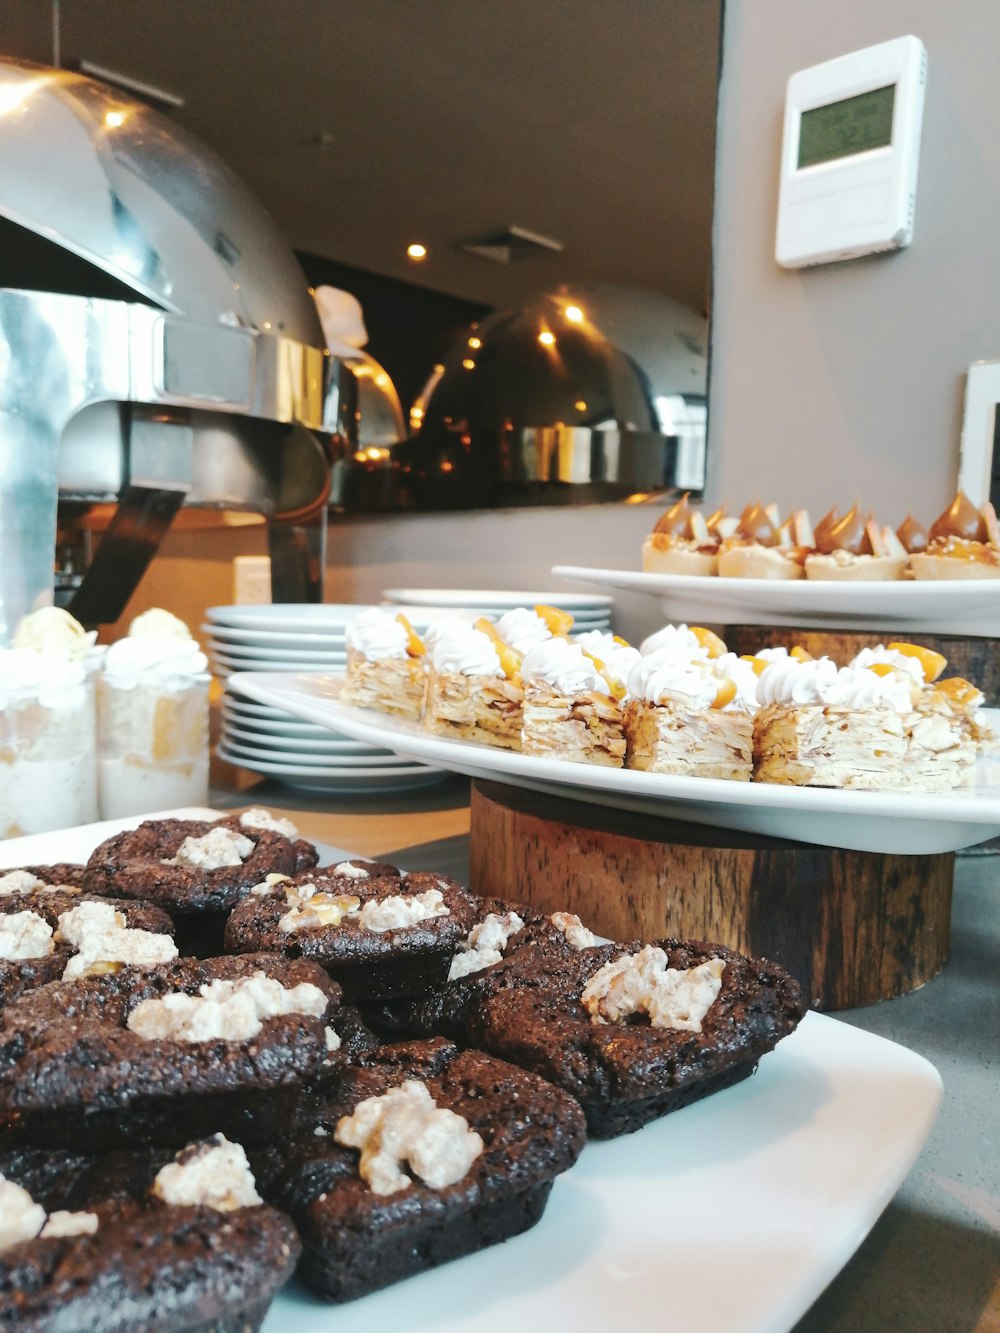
(849, 154)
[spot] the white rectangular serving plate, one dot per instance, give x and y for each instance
(732, 1214)
(895, 606)
(868, 821)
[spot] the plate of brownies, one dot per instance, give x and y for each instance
(245, 1079)
(888, 820)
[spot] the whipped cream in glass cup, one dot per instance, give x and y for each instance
(152, 720)
(48, 778)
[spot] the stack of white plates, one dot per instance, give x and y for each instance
(589, 610)
(296, 637)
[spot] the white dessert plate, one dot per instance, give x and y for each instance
(304, 746)
(368, 758)
(316, 777)
(273, 638)
(302, 617)
(865, 821)
(253, 654)
(733, 1214)
(466, 597)
(225, 664)
(968, 606)
(262, 729)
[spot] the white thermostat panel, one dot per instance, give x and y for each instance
(849, 154)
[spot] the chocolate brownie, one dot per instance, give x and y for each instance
(306, 853)
(355, 1239)
(502, 931)
(378, 937)
(627, 1072)
(128, 1264)
(95, 1063)
(142, 863)
(67, 874)
(19, 974)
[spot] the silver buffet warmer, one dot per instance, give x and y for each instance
(182, 362)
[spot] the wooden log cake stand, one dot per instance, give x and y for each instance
(853, 927)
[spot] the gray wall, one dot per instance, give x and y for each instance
(846, 380)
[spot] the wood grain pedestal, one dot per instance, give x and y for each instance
(853, 927)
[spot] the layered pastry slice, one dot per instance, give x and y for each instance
(820, 725)
(572, 706)
(386, 665)
(474, 690)
(690, 717)
(943, 731)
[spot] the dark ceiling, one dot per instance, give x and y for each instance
(369, 124)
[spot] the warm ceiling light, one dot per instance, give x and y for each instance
(416, 251)
(574, 314)
(475, 343)
(580, 405)
(547, 338)
(469, 364)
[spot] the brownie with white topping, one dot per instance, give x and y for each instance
(379, 936)
(134, 1057)
(425, 1153)
(636, 1031)
(201, 1251)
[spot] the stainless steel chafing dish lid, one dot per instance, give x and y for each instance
(131, 192)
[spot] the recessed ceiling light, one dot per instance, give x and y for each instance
(416, 251)
(547, 338)
(574, 314)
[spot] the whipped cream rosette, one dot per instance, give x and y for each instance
(152, 719)
(47, 726)
(386, 665)
(572, 706)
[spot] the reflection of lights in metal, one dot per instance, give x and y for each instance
(114, 119)
(13, 95)
(580, 405)
(469, 364)
(447, 465)
(416, 251)
(475, 343)
(574, 314)
(547, 338)
(639, 498)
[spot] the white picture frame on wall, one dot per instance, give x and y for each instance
(979, 425)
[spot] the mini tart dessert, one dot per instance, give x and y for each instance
(503, 930)
(426, 1153)
(572, 707)
(378, 938)
(761, 548)
(188, 866)
(823, 726)
(386, 665)
(202, 1251)
(45, 936)
(689, 718)
(133, 1057)
(963, 543)
(475, 691)
(682, 543)
(854, 549)
(633, 1032)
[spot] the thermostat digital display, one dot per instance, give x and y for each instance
(850, 153)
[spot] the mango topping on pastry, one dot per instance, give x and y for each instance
(510, 658)
(961, 694)
(559, 622)
(725, 694)
(759, 664)
(415, 645)
(933, 663)
(616, 686)
(709, 640)
(800, 654)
